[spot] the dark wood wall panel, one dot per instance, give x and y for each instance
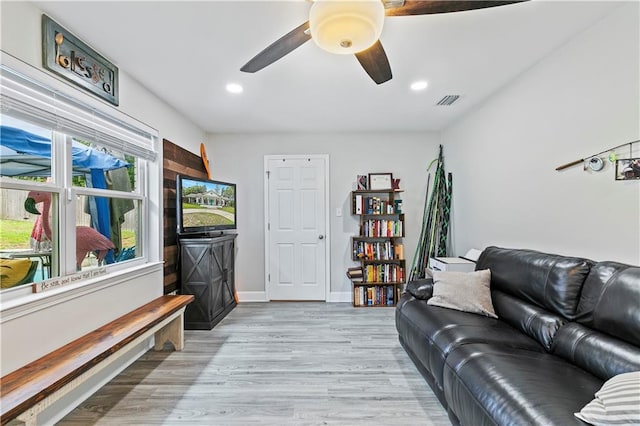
(176, 161)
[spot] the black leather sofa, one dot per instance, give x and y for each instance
(565, 325)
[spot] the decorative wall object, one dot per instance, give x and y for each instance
(70, 58)
(628, 169)
(595, 163)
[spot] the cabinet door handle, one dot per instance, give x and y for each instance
(321, 237)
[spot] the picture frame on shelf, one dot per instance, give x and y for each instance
(362, 183)
(380, 181)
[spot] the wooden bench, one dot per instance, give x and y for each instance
(30, 389)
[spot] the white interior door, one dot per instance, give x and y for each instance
(296, 227)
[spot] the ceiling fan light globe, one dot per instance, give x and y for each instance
(346, 27)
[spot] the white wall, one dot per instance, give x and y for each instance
(240, 159)
(38, 327)
(580, 100)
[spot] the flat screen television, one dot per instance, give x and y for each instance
(204, 206)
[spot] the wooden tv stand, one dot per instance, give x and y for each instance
(207, 267)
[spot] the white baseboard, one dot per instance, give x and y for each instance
(252, 296)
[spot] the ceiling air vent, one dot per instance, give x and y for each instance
(448, 100)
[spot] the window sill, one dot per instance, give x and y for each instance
(33, 302)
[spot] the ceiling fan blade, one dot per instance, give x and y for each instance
(284, 45)
(427, 7)
(375, 63)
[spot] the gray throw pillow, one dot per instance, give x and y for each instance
(616, 403)
(463, 291)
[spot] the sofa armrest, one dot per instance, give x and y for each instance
(420, 289)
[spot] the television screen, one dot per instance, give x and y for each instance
(205, 205)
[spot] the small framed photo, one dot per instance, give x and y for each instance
(628, 169)
(362, 182)
(380, 181)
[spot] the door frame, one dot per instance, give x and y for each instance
(327, 230)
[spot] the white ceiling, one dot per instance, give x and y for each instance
(186, 52)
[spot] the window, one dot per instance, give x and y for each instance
(72, 186)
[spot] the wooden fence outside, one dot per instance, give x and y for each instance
(12, 207)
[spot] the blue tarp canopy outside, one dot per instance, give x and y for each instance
(27, 154)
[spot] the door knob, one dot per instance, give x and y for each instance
(321, 237)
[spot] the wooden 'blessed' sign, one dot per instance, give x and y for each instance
(70, 58)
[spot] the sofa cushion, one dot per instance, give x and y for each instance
(617, 402)
(463, 291)
(547, 280)
(433, 332)
(530, 319)
(601, 354)
(486, 384)
(610, 301)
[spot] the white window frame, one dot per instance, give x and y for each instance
(29, 94)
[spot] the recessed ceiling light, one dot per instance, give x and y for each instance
(418, 85)
(234, 88)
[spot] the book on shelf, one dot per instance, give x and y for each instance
(384, 273)
(358, 206)
(377, 250)
(378, 228)
(377, 205)
(355, 274)
(398, 251)
(390, 290)
(378, 295)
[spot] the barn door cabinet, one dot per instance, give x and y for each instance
(207, 272)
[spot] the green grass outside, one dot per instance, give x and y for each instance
(192, 206)
(15, 234)
(198, 206)
(128, 239)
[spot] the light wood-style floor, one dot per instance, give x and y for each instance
(274, 364)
